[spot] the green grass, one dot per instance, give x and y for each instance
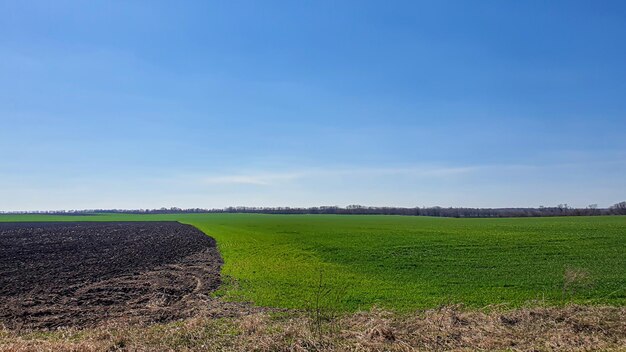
(403, 263)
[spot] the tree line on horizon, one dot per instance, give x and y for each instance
(453, 212)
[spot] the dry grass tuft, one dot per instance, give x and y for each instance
(450, 328)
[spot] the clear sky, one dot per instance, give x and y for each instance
(143, 104)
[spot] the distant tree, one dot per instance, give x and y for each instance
(563, 207)
(592, 209)
(619, 208)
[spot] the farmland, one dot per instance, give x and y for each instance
(407, 263)
(79, 274)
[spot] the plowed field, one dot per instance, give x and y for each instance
(81, 274)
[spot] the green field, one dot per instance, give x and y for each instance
(403, 263)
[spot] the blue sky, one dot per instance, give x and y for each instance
(143, 104)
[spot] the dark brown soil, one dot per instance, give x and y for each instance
(83, 274)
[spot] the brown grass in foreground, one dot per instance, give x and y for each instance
(571, 328)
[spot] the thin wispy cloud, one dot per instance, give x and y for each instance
(267, 179)
(260, 179)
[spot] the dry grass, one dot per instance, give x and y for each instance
(571, 328)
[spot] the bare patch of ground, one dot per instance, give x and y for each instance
(85, 274)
